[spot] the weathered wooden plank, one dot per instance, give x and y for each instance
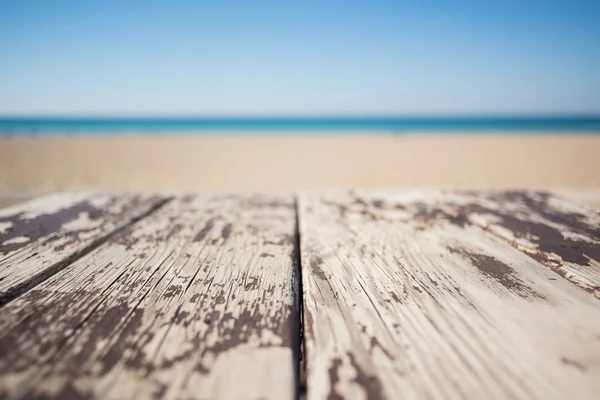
(198, 300)
(38, 237)
(402, 301)
(590, 198)
(557, 232)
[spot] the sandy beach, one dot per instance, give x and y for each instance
(32, 165)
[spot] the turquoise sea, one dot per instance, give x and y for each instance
(282, 125)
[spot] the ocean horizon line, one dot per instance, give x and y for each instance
(49, 125)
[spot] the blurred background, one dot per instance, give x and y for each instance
(290, 95)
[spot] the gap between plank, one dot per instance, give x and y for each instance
(20, 289)
(299, 350)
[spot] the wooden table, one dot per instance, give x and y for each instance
(323, 295)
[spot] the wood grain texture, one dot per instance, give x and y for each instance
(561, 234)
(405, 298)
(198, 300)
(38, 236)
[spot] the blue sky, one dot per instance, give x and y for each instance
(287, 57)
